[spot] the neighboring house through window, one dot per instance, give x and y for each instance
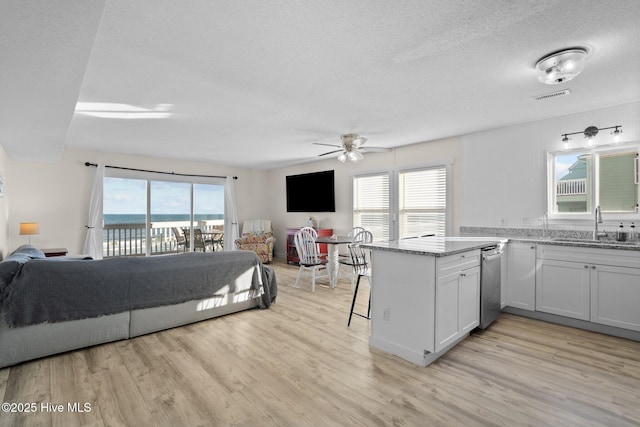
(581, 180)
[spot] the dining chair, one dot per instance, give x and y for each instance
(360, 236)
(361, 263)
(310, 260)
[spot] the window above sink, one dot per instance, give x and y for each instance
(579, 180)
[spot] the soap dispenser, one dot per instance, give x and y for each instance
(622, 235)
(632, 233)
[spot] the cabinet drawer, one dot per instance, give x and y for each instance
(451, 264)
(614, 257)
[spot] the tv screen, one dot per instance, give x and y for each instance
(311, 192)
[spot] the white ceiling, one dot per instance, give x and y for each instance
(253, 83)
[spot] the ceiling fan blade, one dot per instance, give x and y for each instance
(330, 152)
(359, 141)
(328, 145)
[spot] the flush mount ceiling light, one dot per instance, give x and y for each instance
(561, 66)
(590, 134)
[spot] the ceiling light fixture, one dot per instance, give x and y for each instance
(590, 134)
(561, 66)
(108, 110)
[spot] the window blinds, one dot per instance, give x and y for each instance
(371, 204)
(422, 202)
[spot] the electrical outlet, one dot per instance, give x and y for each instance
(385, 313)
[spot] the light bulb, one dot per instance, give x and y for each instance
(616, 135)
(342, 157)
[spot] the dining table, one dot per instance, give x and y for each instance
(333, 264)
(215, 237)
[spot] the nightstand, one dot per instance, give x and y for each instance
(54, 252)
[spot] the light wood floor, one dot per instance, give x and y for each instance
(298, 364)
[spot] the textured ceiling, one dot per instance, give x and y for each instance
(253, 83)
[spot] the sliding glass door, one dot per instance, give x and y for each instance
(156, 216)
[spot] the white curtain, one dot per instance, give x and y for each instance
(93, 240)
(230, 215)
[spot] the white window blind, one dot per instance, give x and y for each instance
(371, 204)
(422, 202)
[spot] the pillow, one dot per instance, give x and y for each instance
(29, 251)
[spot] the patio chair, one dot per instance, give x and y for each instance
(180, 240)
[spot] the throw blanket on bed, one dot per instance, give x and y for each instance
(54, 291)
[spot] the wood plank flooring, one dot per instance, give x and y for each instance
(297, 364)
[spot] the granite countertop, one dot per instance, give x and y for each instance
(436, 246)
(582, 243)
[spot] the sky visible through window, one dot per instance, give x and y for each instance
(563, 163)
(128, 196)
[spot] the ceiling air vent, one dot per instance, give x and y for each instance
(550, 95)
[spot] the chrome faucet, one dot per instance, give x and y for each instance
(598, 220)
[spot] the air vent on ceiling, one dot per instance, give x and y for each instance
(550, 95)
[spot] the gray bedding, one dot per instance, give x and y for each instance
(45, 290)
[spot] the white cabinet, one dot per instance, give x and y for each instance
(598, 285)
(615, 296)
(422, 304)
(521, 275)
(457, 306)
(562, 288)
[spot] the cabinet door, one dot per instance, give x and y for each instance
(457, 306)
(563, 288)
(615, 296)
(447, 325)
(469, 299)
(521, 275)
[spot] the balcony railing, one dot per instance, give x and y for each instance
(571, 187)
(120, 240)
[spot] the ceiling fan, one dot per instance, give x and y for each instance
(351, 148)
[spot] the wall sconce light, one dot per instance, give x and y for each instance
(28, 229)
(590, 134)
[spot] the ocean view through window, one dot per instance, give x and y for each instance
(143, 217)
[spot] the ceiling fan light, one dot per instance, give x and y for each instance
(342, 157)
(351, 155)
(359, 156)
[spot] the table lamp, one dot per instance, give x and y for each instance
(28, 228)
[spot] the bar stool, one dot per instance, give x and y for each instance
(360, 261)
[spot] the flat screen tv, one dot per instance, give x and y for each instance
(311, 192)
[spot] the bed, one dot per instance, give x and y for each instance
(52, 305)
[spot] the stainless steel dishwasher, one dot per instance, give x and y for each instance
(490, 280)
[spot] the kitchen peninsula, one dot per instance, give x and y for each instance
(425, 294)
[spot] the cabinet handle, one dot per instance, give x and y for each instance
(593, 267)
(463, 275)
(586, 266)
(532, 247)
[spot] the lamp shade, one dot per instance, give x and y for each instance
(28, 228)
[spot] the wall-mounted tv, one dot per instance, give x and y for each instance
(311, 192)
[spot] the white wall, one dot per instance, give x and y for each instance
(505, 169)
(4, 208)
(426, 153)
(56, 195)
